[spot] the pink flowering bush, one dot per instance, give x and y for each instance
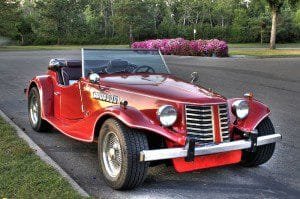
(180, 46)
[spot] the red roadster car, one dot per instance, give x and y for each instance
(140, 115)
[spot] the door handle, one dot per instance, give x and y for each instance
(56, 93)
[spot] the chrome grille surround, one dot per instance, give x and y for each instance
(224, 122)
(200, 122)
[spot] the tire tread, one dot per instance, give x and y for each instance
(135, 172)
(262, 153)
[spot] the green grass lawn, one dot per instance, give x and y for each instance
(248, 49)
(23, 174)
(265, 45)
(266, 52)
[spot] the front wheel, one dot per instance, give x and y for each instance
(118, 152)
(34, 112)
(263, 153)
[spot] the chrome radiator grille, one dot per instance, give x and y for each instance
(200, 123)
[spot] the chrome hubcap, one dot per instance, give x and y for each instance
(34, 110)
(112, 156)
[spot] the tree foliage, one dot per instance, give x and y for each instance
(125, 21)
(9, 18)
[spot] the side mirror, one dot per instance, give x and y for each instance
(94, 78)
(194, 77)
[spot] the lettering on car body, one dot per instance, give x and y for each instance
(106, 97)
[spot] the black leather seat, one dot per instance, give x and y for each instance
(71, 71)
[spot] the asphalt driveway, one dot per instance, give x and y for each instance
(275, 82)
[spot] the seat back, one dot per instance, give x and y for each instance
(71, 71)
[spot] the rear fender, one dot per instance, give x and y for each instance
(44, 84)
(134, 118)
(257, 112)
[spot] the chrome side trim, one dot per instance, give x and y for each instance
(170, 153)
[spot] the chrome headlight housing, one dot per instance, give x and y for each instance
(167, 115)
(240, 108)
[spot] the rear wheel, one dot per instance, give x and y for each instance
(34, 112)
(263, 153)
(118, 152)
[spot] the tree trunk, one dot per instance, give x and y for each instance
(112, 15)
(273, 30)
(261, 36)
(105, 23)
(222, 21)
(130, 34)
(22, 39)
(210, 19)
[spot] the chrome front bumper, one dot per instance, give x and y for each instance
(170, 153)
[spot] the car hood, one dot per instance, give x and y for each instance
(162, 86)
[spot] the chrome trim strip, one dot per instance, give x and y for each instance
(199, 120)
(199, 110)
(195, 129)
(194, 114)
(195, 124)
(170, 153)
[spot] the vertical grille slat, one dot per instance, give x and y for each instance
(200, 124)
(224, 127)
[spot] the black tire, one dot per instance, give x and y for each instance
(262, 153)
(132, 172)
(39, 125)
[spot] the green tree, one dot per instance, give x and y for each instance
(239, 29)
(120, 21)
(9, 18)
(133, 18)
(275, 6)
(60, 20)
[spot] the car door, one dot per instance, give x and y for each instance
(70, 102)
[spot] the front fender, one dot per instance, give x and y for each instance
(134, 118)
(257, 112)
(44, 84)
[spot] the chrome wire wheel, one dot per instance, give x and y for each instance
(34, 111)
(112, 154)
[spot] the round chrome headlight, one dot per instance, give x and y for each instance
(240, 108)
(167, 115)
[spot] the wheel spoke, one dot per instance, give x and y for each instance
(112, 156)
(34, 114)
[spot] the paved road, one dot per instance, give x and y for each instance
(274, 81)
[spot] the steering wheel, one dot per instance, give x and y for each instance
(148, 69)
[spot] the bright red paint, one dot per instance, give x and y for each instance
(208, 161)
(73, 111)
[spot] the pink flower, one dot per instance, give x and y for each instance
(180, 46)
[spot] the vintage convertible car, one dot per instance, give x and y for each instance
(140, 115)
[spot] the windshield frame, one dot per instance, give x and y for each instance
(121, 49)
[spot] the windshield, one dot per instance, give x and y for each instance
(111, 61)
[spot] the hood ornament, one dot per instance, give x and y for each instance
(194, 77)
